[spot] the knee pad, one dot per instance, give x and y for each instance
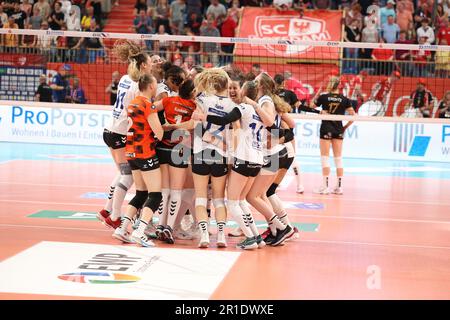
(272, 189)
(338, 162)
(124, 169)
(218, 203)
(139, 199)
(201, 202)
(126, 179)
(153, 201)
(325, 160)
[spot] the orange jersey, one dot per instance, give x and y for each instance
(177, 110)
(141, 141)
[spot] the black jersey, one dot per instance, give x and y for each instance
(333, 103)
(288, 96)
(421, 98)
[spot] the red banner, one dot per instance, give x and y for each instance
(22, 60)
(315, 25)
(94, 78)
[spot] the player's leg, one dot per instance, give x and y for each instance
(325, 162)
(337, 155)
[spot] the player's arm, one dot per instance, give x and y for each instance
(288, 120)
(159, 105)
(230, 117)
(155, 125)
(265, 112)
(350, 111)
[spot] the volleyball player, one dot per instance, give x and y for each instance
(275, 156)
(143, 130)
(175, 153)
(173, 78)
(114, 134)
(332, 133)
(210, 152)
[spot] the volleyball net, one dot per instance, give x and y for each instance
(382, 80)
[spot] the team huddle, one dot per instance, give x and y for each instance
(207, 137)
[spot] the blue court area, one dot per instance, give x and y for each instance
(353, 166)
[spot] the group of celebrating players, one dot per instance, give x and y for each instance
(191, 139)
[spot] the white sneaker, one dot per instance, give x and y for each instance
(141, 240)
(204, 240)
(122, 235)
(300, 189)
(237, 232)
(221, 241)
(323, 190)
(338, 190)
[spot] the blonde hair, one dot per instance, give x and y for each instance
(251, 90)
(268, 87)
(129, 52)
(212, 81)
(333, 84)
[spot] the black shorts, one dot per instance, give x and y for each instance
(114, 140)
(286, 163)
(209, 162)
(177, 156)
(144, 164)
(329, 133)
(276, 161)
(245, 168)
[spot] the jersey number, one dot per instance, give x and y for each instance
(333, 106)
(256, 133)
(118, 106)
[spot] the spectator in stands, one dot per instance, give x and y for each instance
(28, 40)
(94, 46)
(3, 17)
(46, 42)
(216, 9)
(228, 29)
(352, 33)
(442, 59)
(368, 34)
(161, 45)
(354, 14)
(390, 30)
(72, 20)
(422, 99)
(444, 106)
(26, 7)
(66, 5)
(62, 46)
(140, 5)
(383, 58)
(446, 5)
(19, 16)
(444, 32)
(194, 6)
(177, 16)
(209, 50)
(387, 11)
(43, 92)
(162, 12)
(426, 31)
(235, 10)
(420, 14)
(112, 87)
(97, 6)
(403, 57)
(60, 85)
(194, 22)
(404, 17)
(441, 17)
(421, 58)
(282, 5)
(36, 19)
(10, 41)
(77, 93)
(44, 9)
(56, 18)
(87, 18)
(142, 23)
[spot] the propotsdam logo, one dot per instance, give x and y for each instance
(410, 138)
(99, 277)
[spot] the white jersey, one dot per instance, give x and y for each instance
(163, 88)
(278, 147)
(127, 90)
(215, 137)
(252, 140)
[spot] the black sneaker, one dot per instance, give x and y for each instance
(168, 235)
(282, 235)
(269, 238)
(159, 232)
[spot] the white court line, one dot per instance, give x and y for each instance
(370, 219)
(416, 246)
(300, 215)
(299, 241)
(52, 185)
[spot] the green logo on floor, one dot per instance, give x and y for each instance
(89, 216)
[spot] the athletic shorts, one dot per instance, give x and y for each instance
(144, 164)
(329, 133)
(177, 156)
(286, 163)
(276, 161)
(114, 140)
(209, 162)
(245, 168)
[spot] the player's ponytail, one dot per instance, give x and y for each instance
(267, 86)
(129, 52)
(333, 84)
(212, 81)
